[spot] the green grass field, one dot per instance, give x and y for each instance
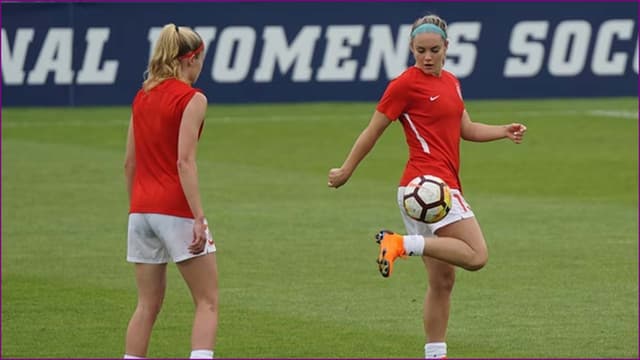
(296, 259)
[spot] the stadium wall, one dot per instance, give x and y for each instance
(96, 53)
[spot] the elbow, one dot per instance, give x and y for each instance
(129, 166)
(471, 137)
(465, 134)
(184, 165)
(468, 135)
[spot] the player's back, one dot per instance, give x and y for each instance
(157, 114)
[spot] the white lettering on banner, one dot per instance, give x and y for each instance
(91, 72)
(13, 60)
(461, 48)
(275, 50)
(232, 58)
(337, 64)
(55, 56)
(569, 49)
(207, 34)
(325, 53)
(635, 59)
(530, 53)
(382, 48)
(604, 62)
(152, 36)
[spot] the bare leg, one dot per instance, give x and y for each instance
(201, 275)
(461, 244)
(438, 299)
(151, 280)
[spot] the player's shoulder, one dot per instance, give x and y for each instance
(407, 78)
(138, 97)
(409, 74)
(449, 76)
(199, 98)
(183, 89)
(139, 93)
(199, 91)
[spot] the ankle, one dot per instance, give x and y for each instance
(413, 244)
(201, 354)
(435, 350)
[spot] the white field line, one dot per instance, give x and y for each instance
(614, 113)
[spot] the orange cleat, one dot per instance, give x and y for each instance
(391, 247)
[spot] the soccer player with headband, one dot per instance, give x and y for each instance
(427, 102)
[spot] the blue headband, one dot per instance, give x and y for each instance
(424, 28)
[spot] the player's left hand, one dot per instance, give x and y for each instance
(198, 242)
(515, 132)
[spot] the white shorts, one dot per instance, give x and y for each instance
(459, 210)
(158, 238)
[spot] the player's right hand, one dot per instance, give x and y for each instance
(337, 177)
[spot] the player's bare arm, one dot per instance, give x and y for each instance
(478, 132)
(192, 119)
(365, 142)
(130, 158)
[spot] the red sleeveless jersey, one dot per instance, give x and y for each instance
(430, 109)
(157, 115)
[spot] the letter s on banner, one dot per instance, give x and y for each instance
(531, 53)
(461, 47)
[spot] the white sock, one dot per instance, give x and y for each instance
(413, 244)
(127, 356)
(201, 354)
(436, 350)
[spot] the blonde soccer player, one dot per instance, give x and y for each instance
(166, 217)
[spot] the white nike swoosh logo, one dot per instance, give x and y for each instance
(434, 98)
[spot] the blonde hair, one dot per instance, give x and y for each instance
(172, 43)
(430, 19)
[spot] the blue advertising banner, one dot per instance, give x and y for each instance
(96, 53)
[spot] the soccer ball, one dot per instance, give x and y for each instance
(427, 198)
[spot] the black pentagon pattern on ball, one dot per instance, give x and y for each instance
(426, 206)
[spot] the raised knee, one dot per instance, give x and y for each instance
(478, 262)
